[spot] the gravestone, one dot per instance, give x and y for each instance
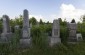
(25, 40)
(16, 27)
(6, 34)
(72, 27)
(79, 37)
(55, 39)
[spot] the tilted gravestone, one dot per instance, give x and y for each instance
(55, 39)
(72, 27)
(25, 41)
(6, 35)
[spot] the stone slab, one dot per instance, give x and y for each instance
(54, 41)
(25, 43)
(56, 29)
(72, 28)
(6, 37)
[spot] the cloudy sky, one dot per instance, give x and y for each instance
(47, 10)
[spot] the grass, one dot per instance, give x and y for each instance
(61, 49)
(40, 48)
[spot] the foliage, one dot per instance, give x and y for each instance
(1, 25)
(83, 18)
(41, 22)
(39, 36)
(73, 21)
(33, 21)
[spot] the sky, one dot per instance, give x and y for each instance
(47, 10)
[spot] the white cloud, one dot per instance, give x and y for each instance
(69, 12)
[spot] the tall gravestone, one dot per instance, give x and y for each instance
(25, 41)
(72, 27)
(55, 39)
(6, 35)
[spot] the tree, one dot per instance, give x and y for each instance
(41, 22)
(1, 25)
(82, 18)
(33, 21)
(48, 22)
(73, 21)
(60, 20)
(62, 23)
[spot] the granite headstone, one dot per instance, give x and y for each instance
(25, 40)
(55, 39)
(72, 27)
(6, 34)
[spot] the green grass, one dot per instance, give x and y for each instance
(40, 46)
(61, 49)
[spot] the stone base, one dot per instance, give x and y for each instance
(54, 41)
(24, 43)
(75, 40)
(6, 37)
(72, 40)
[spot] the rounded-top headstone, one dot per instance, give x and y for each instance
(25, 18)
(25, 13)
(25, 41)
(6, 27)
(5, 17)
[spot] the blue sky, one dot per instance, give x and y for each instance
(44, 9)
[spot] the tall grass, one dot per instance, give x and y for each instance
(40, 45)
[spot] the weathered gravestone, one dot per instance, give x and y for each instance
(6, 35)
(72, 27)
(25, 41)
(55, 39)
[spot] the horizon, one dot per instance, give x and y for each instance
(47, 10)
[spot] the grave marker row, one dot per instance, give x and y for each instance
(26, 39)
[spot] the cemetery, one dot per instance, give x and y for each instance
(27, 36)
